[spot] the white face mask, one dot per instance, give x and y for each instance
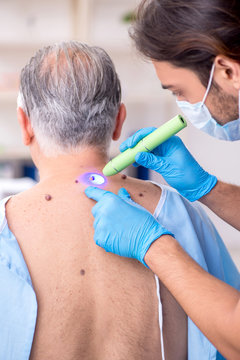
(200, 117)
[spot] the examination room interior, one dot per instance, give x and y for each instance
(27, 25)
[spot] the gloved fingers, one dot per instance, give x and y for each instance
(95, 193)
(169, 146)
(151, 161)
(96, 208)
(135, 138)
(97, 238)
(101, 240)
(95, 224)
(98, 224)
(124, 194)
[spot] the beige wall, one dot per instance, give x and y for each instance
(26, 25)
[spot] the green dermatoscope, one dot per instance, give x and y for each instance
(147, 144)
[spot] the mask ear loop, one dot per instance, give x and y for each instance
(209, 85)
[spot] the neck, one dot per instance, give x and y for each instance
(71, 165)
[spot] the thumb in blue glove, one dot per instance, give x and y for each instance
(122, 226)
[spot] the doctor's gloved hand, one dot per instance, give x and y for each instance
(174, 162)
(122, 226)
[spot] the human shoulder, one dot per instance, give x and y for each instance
(24, 198)
(22, 205)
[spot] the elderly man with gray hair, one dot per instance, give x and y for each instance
(61, 296)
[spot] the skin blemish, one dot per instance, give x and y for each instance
(82, 272)
(76, 181)
(124, 176)
(140, 194)
(48, 197)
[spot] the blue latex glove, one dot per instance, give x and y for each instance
(122, 226)
(175, 163)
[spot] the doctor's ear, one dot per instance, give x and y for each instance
(229, 70)
(25, 125)
(121, 116)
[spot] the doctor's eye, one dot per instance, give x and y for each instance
(177, 93)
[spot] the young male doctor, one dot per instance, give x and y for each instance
(195, 49)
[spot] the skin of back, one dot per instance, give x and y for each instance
(91, 304)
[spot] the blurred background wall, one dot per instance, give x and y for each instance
(26, 25)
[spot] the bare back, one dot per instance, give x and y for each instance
(91, 304)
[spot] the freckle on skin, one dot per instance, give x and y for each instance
(76, 181)
(48, 197)
(140, 194)
(124, 176)
(82, 272)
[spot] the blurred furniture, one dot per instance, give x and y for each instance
(14, 186)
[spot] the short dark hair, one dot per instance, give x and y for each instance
(188, 33)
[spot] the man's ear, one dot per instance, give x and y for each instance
(25, 125)
(122, 113)
(228, 70)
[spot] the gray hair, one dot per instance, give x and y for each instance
(71, 94)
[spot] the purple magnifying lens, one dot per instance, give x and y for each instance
(92, 178)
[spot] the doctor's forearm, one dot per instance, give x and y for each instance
(224, 200)
(213, 305)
